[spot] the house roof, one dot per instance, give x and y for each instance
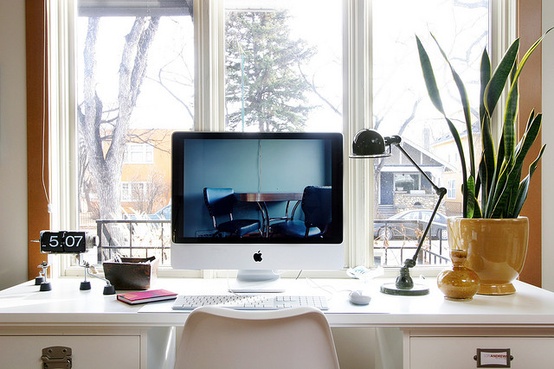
(440, 162)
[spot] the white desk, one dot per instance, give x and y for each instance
(428, 331)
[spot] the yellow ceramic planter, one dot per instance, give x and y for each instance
(496, 250)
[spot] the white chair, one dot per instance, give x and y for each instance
(216, 337)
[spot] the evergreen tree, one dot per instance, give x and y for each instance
(265, 87)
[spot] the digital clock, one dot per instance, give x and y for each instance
(66, 242)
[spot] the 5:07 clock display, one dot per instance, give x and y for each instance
(65, 241)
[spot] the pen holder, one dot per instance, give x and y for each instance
(131, 273)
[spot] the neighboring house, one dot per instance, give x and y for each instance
(146, 172)
(401, 186)
(145, 178)
(445, 148)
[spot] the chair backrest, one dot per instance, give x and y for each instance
(317, 207)
(219, 201)
(216, 337)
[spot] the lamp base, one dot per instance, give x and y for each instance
(416, 290)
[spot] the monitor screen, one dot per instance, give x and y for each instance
(257, 201)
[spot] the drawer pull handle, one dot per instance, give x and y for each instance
(56, 357)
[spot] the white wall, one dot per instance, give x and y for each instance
(548, 138)
(13, 154)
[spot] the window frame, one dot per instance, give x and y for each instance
(209, 104)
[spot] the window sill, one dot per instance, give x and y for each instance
(424, 272)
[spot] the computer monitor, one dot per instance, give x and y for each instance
(265, 178)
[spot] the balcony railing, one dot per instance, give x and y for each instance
(138, 238)
(400, 242)
(152, 237)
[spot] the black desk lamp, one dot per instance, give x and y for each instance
(369, 144)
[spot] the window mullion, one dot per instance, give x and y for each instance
(502, 34)
(63, 147)
(62, 153)
(209, 36)
(357, 115)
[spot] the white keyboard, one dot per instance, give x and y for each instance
(249, 302)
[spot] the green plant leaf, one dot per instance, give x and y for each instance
(528, 54)
(523, 189)
(509, 122)
(498, 195)
(460, 147)
(465, 108)
(487, 162)
(496, 85)
(498, 185)
(524, 146)
(429, 77)
(518, 197)
(531, 133)
(473, 210)
(433, 92)
(506, 201)
(485, 76)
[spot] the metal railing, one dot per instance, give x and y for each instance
(152, 237)
(134, 238)
(400, 242)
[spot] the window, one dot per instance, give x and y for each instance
(135, 63)
(133, 191)
(355, 66)
(451, 194)
(401, 105)
(139, 153)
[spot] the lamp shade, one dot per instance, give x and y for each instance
(369, 143)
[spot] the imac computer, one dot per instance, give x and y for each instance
(258, 203)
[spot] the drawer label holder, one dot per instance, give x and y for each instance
(493, 358)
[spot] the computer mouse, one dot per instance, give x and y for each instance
(358, 297)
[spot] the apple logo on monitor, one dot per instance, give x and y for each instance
(258, 256)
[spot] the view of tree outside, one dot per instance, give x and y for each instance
(284, 72)
(108, 128)
(135, 87)
(263, 73)
(283, 69)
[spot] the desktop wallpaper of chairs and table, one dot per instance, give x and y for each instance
(257, 189)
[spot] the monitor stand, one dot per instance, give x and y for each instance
(257, 281)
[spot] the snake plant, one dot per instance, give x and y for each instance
(494, 188)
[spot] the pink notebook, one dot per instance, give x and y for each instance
(141, 297)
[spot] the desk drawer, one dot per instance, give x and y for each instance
(88, 352)
(459, 352)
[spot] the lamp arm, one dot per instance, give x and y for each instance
(428, 227)
(395, 140)
(405, 281)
